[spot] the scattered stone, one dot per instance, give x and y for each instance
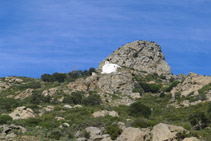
(59, 118)
(49, 108)
(77, 106)
(64, 125)
(68, 106)
(103, 113)
(8, 131)
(22, 113)
(135, 95)
(121, 125)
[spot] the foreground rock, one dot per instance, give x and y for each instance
(9, 131)
(165, 132)
(133, 134)
(141, 56)
(22, 113)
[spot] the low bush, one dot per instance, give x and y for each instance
(4, 119)
(153, 88)
(172, 85)
(92, 100)
(198, 120)
(47, 78)
(114, 131)
(75, 98)
(137, 109)
(140, 123)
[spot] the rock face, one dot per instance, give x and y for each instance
(192, 83)
(133, 134)
(121, 82)
(22, 113)
(141, 56)
(165, 132)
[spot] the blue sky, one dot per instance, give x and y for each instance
(46, 36)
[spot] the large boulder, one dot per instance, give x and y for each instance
(22, 113)
(133, 134)
(165, 132)
(141, 56)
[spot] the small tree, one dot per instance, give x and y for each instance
(137, 109)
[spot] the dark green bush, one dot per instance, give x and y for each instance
(47, 78)
(8, 104)
(38, 98)
(32, 122)
(4, 119)
(172, 85)
(91, 70)
(55, 134)
(114, 131)
(92, 100)
(137, 109)
(75, 98)
(60, 77)
(198, 120)
(138, 89)
(153, 88)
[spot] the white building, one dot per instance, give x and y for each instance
(109, 68)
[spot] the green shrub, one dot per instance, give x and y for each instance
(4, 119)
(32, 122)
(55, 134)
(8, 104)
(138, 89)
(38, 98)
(153, 88)
(205, 89)
(75, 98)
(32, 85)
(198, 120)
(137, 109)
(140, 123)
(92, 100)
(114, 131)
(47, 78)
(60, 77)
(172, 85)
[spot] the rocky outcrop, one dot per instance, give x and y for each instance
(26, 93)
(9, 131)
(165, 132)
(192, 83)
(133, 134)
(22, 113)
(105, 113)
(141, 56)
(121, 82)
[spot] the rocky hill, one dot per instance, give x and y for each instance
(141, 56)
(142, 100)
